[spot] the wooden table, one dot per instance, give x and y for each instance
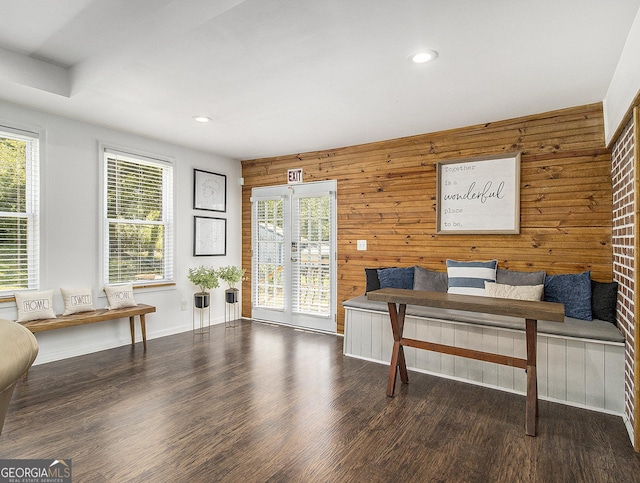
(530, 311)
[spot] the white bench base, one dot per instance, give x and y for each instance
(578, 372)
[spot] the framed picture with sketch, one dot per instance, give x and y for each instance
(209, 236)
(209, 191)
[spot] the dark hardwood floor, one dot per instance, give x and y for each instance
(266, 403)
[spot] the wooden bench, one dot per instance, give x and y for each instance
(99, 315)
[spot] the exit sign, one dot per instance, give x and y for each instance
(294, 176)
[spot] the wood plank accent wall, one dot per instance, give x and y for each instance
(387, 196)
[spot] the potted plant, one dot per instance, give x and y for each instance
(206, 279)
(232, 275)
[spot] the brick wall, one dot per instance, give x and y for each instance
(623, 178)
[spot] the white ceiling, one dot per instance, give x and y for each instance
(288, 76)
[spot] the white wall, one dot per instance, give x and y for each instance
(625, 83)
(70, 248)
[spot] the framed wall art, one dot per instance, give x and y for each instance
(209, 236)
(479, 195)
(209, 191)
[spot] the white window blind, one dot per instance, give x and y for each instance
(268, 252)
(311, 257)
(138, 208)
(19, 210)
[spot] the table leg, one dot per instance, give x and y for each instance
(398, 363)
(133, 331)
(143, 326)
(532, 378)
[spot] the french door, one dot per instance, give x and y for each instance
(294, 255)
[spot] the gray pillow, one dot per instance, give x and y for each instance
(514, 277)
(429, 280)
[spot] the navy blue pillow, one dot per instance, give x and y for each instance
(396, 277)
(572, 290)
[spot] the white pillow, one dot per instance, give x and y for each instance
(34, 305)
(120, 296)
(76, 300)
(515, 292)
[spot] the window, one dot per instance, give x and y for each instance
(19, 210)
(138, 227)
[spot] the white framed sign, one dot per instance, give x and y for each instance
(479, 195)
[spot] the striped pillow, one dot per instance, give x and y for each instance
(467, 278)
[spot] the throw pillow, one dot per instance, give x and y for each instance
(34, 305)
(396, 277)
(515, 292)
(572, 290)
(120, 296)
(604, 298)
(467, 278)
(514, 277)
(76, 300)
(429, 280)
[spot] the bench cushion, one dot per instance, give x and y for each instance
(595, 329)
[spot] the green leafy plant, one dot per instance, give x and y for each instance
(231, 274)
(204, 277)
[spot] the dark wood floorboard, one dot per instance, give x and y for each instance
(262, 403)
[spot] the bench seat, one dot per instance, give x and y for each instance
(580, 363)
(93, 316)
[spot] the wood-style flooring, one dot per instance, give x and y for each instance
(261, 403)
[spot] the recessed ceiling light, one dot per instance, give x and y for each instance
(201, 118)
(423, 56)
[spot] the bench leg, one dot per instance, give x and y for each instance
(532, 379)
(143, 326)
(133, 330)
(398, 363)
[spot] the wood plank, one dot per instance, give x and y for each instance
(525, 309)
(81, 318)
(468, 353)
